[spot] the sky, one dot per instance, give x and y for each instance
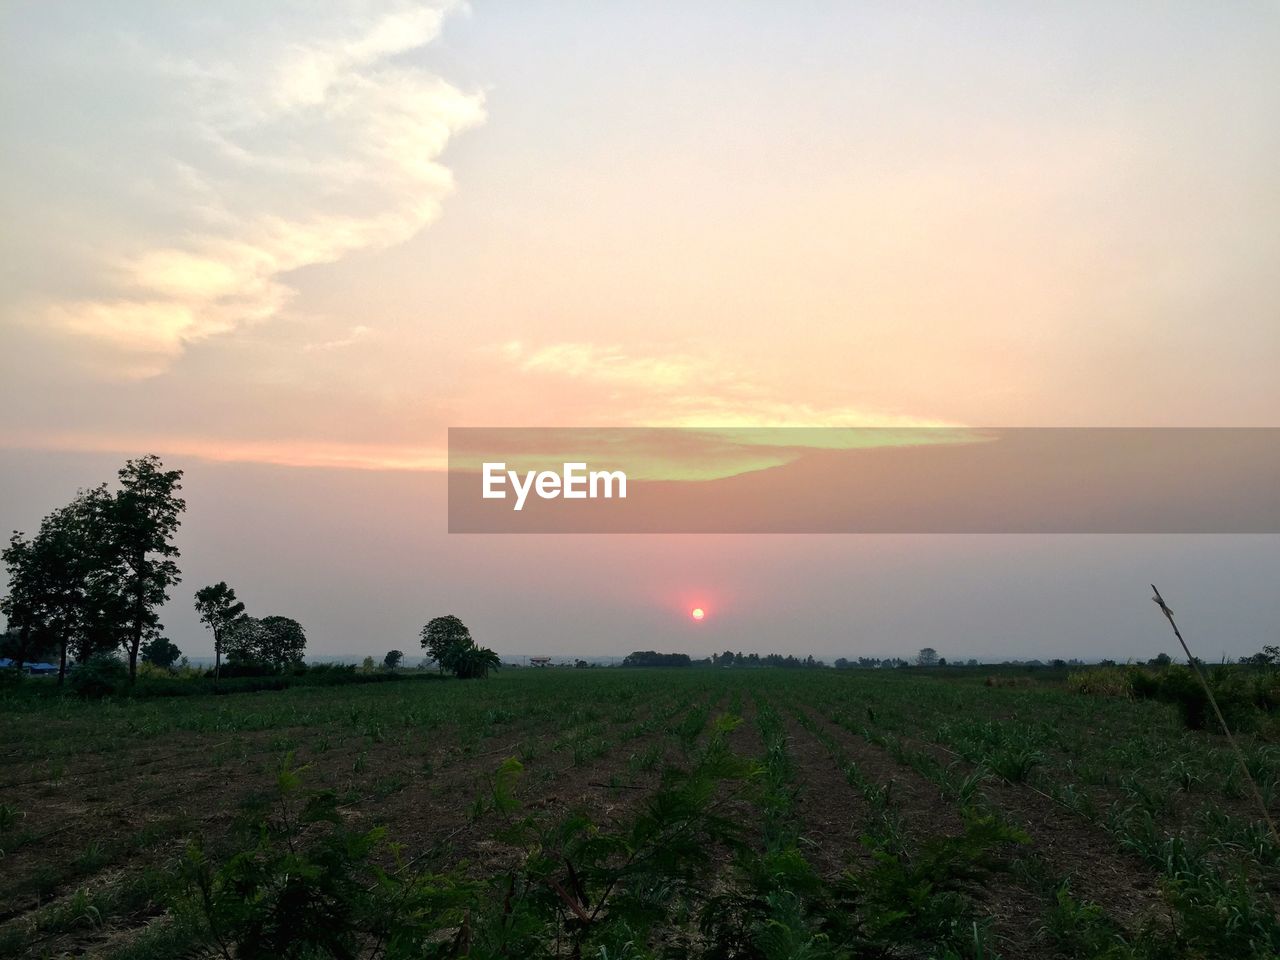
(287, 246)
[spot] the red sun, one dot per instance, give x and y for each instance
(697, 613)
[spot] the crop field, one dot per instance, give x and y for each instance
(618, 813)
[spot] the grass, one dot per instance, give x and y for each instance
(100, 800)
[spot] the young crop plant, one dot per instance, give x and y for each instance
(312, 887)
(1084, 931)
(586, 888)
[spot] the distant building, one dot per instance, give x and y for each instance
(36, 669)
(539, 661)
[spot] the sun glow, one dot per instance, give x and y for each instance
(697, 613)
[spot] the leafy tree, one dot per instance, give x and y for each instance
(283, 642)
(55, 597)
(247, 642)
(1268, 656)
(448, 642)
(145, 519)
(21, 606)
(927, 657)
(367, 665)
(392, 660)
(219, 610)
(161, 652)
(442, 634)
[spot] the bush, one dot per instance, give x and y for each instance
(245, 668)
(1145, 686)
(102, 675)
(1101, 681)
(1243, 696)
(1179, 687)
(1266, 691)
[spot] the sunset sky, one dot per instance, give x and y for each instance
(287, 249)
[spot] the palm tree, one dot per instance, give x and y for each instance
(469, 661)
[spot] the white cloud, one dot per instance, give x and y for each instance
(305, 141)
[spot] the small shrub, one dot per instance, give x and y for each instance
(1183, 690)
(1101, 681)
(311, 887)
(1144, 685)
(102, 675)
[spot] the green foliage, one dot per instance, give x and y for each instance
(102, 675)
(442, 634)
(1109, 681)
(311, 887)
(161, 651)
(651, 658)
(63, 590)
(284, 641)
(219, 610)
(469, 661)
(1244, 695)
(919, 897)
(1085, 931)
(144, 518)
(701, 853)
(448, 642)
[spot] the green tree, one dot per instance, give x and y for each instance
(54, 583)
(219, 610)
(161, 652)
(441, 635)
(283, 642)
(248, 641)
(21, 605)
(927, 657)
(145, 518)
(392, 660)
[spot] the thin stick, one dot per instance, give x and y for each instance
(1195, 666)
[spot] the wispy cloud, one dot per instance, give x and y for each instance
(307, 142)
(357, 334)
(604, 364)
(684, 389)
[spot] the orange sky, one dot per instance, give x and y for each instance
(327, 242)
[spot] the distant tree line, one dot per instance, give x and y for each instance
(790, 661)
(651, 658)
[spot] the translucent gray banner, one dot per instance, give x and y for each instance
(864, 480)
